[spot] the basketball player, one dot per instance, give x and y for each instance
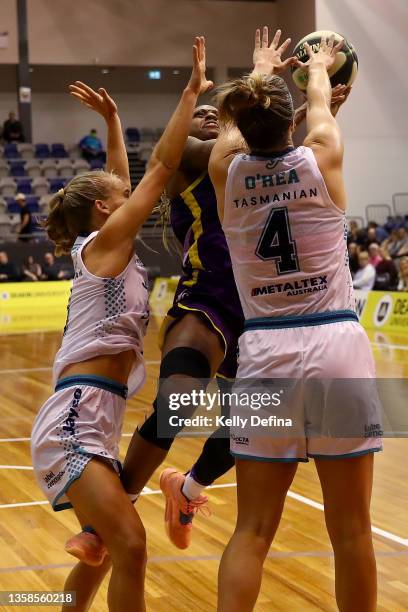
(76, 433)
(199, 336)
(283, 214)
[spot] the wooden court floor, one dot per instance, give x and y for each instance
(299, 570)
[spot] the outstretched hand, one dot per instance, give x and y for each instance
(198, 82)
(268, 57)
(99, 101)
(340, 93)
(326, 53)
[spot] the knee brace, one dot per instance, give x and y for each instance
(179, 361)
(187, 361)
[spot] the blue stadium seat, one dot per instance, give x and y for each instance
(96, 164)
(56, 184)
(42, 150)
(10, 151)
(17, 168)
(12, 206)
(58, 150)
(132, 135)
(33, 203)
(24, 185)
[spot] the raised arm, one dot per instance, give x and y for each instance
(323, 133)
(119, 231)
(102, 103)
(267, 60)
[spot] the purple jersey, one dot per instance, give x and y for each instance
(207, 283)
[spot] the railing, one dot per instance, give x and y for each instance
(400, 203)
(378, 213)
(359, 220)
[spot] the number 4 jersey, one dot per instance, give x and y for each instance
(287, 239)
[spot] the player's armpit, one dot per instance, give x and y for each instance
(196, 155)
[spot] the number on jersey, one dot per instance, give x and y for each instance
(276, 242)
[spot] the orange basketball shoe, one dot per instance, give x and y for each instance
(180, 511)
(87, 547)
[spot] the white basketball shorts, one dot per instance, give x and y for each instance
(82, 420)
(322, 369)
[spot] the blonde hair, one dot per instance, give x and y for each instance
(71, 208)
(260, 106)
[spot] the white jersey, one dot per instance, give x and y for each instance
(106, 316)
(286, 237)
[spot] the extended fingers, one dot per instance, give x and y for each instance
(284, 46)
(85, 87)
(339, 46)
(276, 39)
(265, 36)
(308, 49)
(257, 38)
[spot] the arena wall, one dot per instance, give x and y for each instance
(374, 121)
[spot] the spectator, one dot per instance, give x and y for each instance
(403, 275)
(52, 270)
(370, 237)
(353, 250)
(12, 129)
(380, 232)
(353, 232)
(397, 243)
(386, 273)
(31, 269)
(356, 234)
(8, 270)
(364, 278)
(26, 225)
(375, 254)
(91, 147)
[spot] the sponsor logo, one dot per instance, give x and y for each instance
(307, 285)
(70, 421)
(51, 479)
(240, 440)
(373, 431)
(360, 302)
(383, 311)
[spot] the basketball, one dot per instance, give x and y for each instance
(344, 69)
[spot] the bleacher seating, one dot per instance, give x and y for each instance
(8, 187)
(132, 135)
(58, 150)
(33, 168)
(49, 168)
(42, 150)
(40, 186)
(40, 170)
(80, 166)
(26, 150)
(24, 185)
(11, 151)
(65, 167)
(17, 168)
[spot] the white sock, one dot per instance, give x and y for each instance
(191, 488)
(133, 497)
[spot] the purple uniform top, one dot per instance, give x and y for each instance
(207, 283)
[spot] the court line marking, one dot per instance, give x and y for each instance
(16, 467)
(48, 368)
(154, 362)
(300, 498)
(178, 558)
(399, 347)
